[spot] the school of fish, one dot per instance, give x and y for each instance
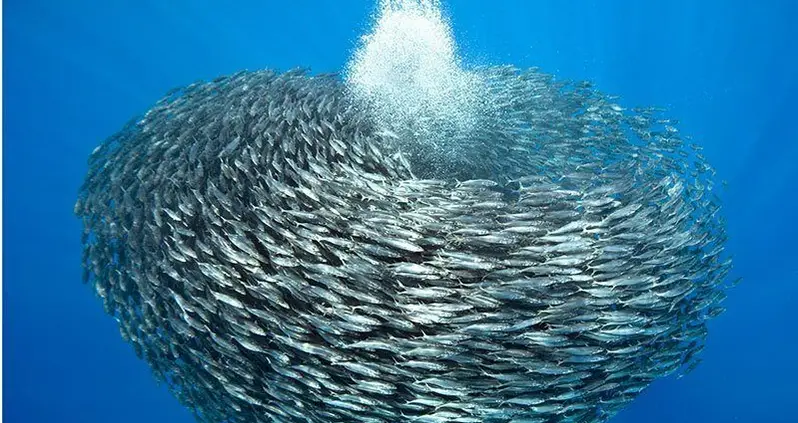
(275, 256)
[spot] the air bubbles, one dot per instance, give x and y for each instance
(407, 73)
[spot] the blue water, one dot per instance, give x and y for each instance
(75, 71)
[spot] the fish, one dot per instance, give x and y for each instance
(274, 254)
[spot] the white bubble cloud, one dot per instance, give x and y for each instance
(408, 73)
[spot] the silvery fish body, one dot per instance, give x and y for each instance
(274, 256)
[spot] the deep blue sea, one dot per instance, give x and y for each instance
(75, 71)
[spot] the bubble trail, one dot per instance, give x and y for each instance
(410, 77)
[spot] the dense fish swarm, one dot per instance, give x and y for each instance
(275, 257)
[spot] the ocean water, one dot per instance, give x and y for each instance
(74, 72)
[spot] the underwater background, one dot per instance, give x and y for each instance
(75, 71)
